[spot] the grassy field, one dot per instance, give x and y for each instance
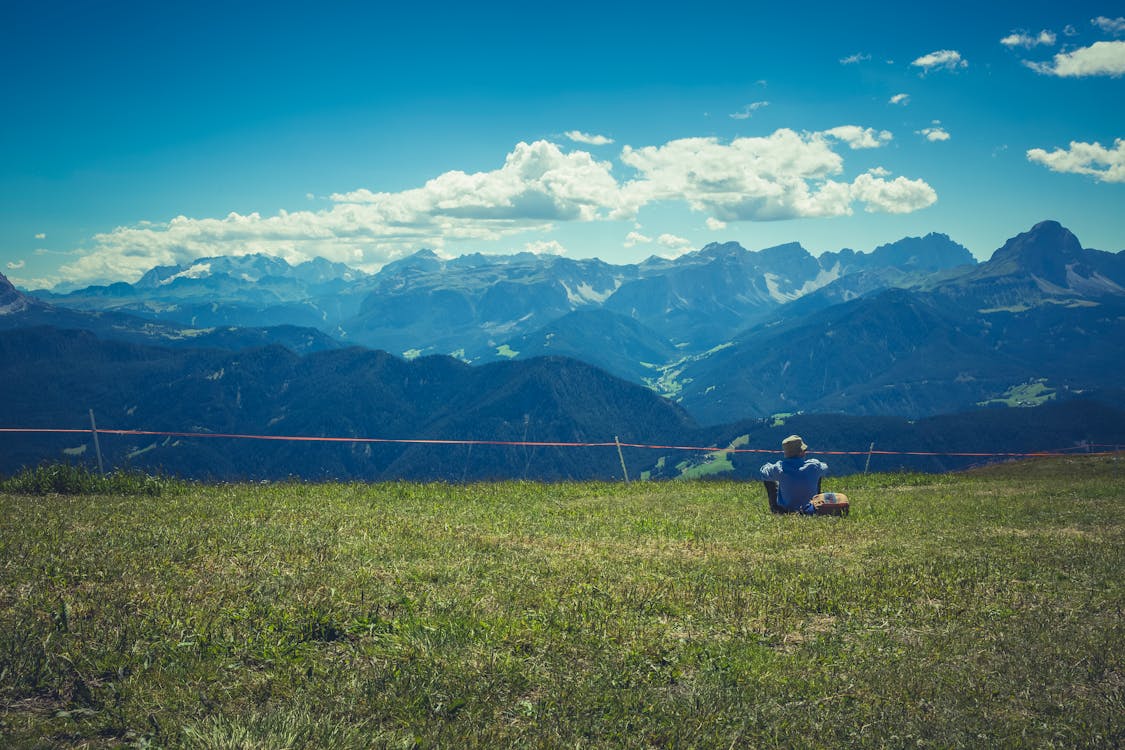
(975, 610)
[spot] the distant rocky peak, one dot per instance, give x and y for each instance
(721, 249)
(11, 299)
(251, 267)
(425, 261)
(789, 252)
(1047, 242)
(933, 252)
(157, 276)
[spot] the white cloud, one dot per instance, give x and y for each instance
(41, 236)
(1099, 59)
(545, 247)
(879, 172)
(310, 197)
(1069, 30)
(16, 265)
(593, 140)
(1109, 25)
(749, 110)
(672, 242)
(785, 175)
(857, 137)
(1094, 159)
(935, 133)
(636, 238)
(902, 99)
(897, 196)
(1027, 41)
(856, 58)
(674, 246)
(537, 183)
(942, 59)
(715, 225)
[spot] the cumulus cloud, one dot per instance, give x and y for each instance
(636, 238)
(16, 265)
(902, 99)
(1109, 25)
(715, 225)
(853, 59)
(935, 133)
(1027, 41)
(749, 110)
(897, 196)
(1101, 163)
(41, 236)
(1099, 59)
(785, 175)
(672, 242)
(592, 140)
(538, 182)
(942, 59)
(545, 247)
(857, 137)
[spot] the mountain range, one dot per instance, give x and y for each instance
(472, 306)
(554, 349)
(914, 328)
(1042, 308)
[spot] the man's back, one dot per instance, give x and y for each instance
(798, 480)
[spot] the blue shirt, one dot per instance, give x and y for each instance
(797, 480)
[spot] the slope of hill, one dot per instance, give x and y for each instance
(52, 377)
(341, 393)
(617, 344)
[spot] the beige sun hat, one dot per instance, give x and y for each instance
(793, 445)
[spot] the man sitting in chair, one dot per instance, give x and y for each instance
(793, 483)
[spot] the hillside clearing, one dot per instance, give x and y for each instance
(980, 609)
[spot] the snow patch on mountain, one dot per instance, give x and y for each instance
(195, 271)
(584, 294)
(825, 277)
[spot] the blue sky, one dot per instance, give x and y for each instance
(140, 134)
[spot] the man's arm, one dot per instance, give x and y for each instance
(771, 495)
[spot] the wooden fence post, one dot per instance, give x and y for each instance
(97, 445)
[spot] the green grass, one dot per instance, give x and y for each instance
(974, 610)
(711, 464)
(1031, 393)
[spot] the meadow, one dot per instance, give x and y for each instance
(981, 609)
